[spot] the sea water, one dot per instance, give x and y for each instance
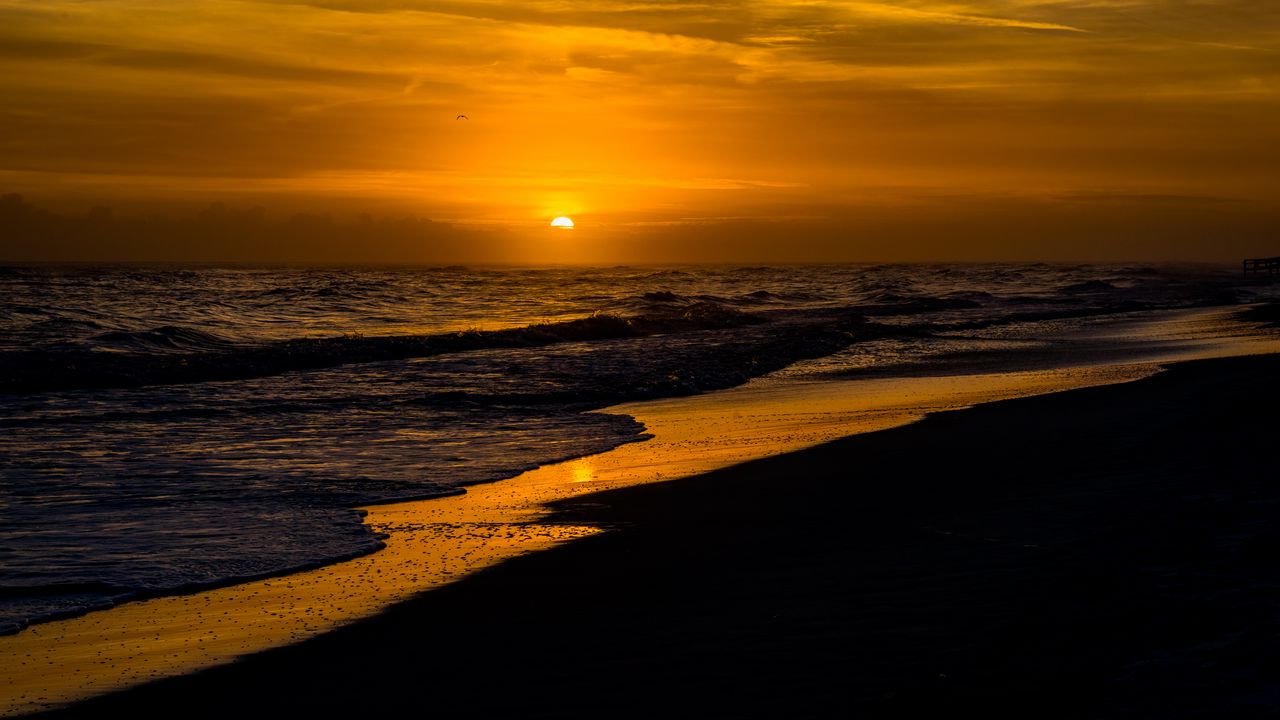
(166, 428)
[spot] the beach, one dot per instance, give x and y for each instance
(482, 359)
(1102, 552)
(568, 359)
(163, 528)
(431, 543)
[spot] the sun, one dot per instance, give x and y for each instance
(563, 223)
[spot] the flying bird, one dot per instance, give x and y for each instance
(462, 117)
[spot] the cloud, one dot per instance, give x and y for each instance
(887, 11)
(640, 110)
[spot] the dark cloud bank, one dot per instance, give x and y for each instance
(220, 233)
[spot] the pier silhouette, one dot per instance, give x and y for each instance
(1262, 266)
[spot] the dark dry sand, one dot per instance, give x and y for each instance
(1107, 552)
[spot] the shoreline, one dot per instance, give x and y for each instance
(432, 543)
(1127, 576)
(457, 536)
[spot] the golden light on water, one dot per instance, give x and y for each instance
(562, 223)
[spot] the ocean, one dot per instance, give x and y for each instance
(166, 428)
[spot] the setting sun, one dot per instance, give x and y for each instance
(563, 223)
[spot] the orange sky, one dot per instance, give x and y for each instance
(670, 131)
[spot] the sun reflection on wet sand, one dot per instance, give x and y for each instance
(582, 470)
(430, 543)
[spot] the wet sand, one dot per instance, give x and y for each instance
(718, 547)
(434, 542)
(1104, 552)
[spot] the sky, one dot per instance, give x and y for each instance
(669, 131)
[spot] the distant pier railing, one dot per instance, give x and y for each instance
(1262, 266)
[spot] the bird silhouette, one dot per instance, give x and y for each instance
(462, 117)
